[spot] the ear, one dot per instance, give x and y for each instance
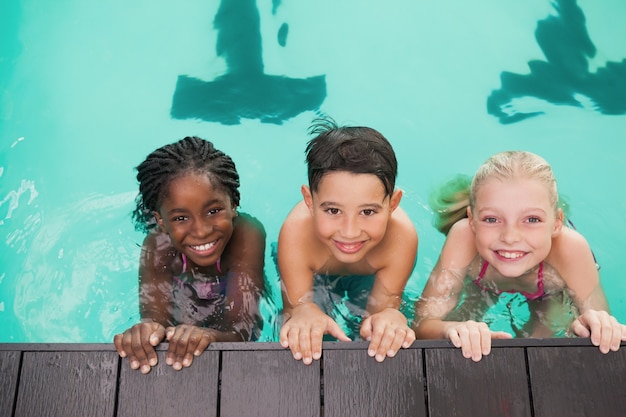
(558, 223)
(394, 201)
(159, 220)
(308, 196)
(470, 217)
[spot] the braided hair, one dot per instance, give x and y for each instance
(189, 155)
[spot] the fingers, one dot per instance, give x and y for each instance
(303, 332)
(305, 342)
(603, 329)
(137, 343)
(186, 342)
(387, 332)
(474, 339)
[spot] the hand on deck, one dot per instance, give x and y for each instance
(603, 329)
(474, 338)
(303, 331)
(186, 342)
(137, 344)
(387, 331)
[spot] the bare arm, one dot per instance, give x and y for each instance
(385, 326)
(155, 304)
(246, 280)
(441, 296)
(304, 323)
(573, 258)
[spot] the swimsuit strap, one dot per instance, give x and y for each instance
(529, 296)
(182, 255)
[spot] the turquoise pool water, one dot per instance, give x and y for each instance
(87, 89)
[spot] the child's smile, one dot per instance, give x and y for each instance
(351, 212)
(514, 224)
(198, 217)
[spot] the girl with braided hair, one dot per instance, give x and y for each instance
(201, 267)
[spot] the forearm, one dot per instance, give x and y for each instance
(433, 328)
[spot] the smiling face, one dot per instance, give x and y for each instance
(514, 222)
(350, 213)
(198, 217)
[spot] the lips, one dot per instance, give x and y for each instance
(349, 248)
(204, 249)
(510, 255)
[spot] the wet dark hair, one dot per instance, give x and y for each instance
(189, 155)
(359, 150)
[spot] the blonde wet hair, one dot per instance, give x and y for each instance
(450, 202)
(515, 164)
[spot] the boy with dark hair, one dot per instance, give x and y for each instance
(346, 247)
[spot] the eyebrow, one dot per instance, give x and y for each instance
(326, 204)
(209, 203)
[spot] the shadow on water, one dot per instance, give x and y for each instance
(245, 91)
(564, 79)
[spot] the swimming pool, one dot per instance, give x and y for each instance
(87, 90)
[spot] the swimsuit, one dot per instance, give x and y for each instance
(529, 296)
(205, 289)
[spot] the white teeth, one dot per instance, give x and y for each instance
(511, 255)
(204, 247)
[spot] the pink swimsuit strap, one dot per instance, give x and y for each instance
(529, 296)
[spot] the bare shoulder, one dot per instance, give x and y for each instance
(570, 248)
(459, 249)
(158, 255)
(298, 226)
(297, 241)
(402, 223)
(249, 226)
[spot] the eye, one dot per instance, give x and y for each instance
(332, 210)
(534, 219)
(213, 211)
(179, 218)
(490, 220)
(368, 212)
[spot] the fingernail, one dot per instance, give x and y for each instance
(169, 361)
(134, 365)
(391, 353)
(186, 362)
(297, 355)
(145, 369)
(380, 358)
(307, 361)
(371, 353)
(317, 355)
(153, 361)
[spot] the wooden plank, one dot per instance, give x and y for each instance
(67, 384)
(495, 386)
(578, 381)
(268, 383)
(164, 391)
(9, 371)
(357, 385)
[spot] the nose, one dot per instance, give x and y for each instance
(511, 234)
(202, 228)
(350, 228)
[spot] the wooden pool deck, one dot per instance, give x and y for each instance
(522, 377)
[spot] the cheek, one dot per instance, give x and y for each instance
(323, 227)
